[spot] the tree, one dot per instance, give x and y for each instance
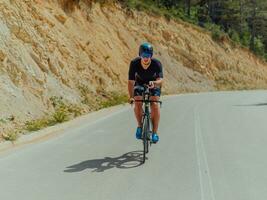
(188, 7)
(244, 20)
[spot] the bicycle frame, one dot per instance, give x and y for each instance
(146, 121)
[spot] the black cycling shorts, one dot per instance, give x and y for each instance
(138, 90)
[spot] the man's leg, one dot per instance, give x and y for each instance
(138, 110)
(155, 113)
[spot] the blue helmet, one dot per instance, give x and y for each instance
(146, 50)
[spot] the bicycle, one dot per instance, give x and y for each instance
(146, 119)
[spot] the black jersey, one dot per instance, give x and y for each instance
(143, 76)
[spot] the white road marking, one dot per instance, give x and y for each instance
(206, 186)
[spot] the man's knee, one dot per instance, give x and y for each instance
(154, 105)
(154, 98)
(138, 105)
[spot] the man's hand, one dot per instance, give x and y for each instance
(131, 100)
(151, 85)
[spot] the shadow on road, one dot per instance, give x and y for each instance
(257, 104)
(126, 161)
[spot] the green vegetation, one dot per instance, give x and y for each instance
(85, 91)
(61, 115)
(11, 136)
(242, 21)
(216, 32)
(75, 110)
(36, 125)
(114, 98)
(154, 8)
(63, 112)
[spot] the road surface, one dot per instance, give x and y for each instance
(213, 146)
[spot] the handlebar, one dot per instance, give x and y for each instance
(150, 101)
(146, 91)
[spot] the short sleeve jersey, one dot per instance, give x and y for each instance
(143, 76)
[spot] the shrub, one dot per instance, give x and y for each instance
(68, 5)
(56, 101)
(84, 91)
(245, 39)
(75, 109)
(168, 16)
(61, 115)
(113, 99)
(11, 136)
(216, 32)
(36, 125)
(259, 47)
(234, 36)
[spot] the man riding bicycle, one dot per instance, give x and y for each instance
(145, 70)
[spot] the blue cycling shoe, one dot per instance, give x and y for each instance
(155, 138)
(138, 133)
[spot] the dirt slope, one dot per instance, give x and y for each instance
(50, 48)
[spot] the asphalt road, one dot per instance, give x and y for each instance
(213, 146)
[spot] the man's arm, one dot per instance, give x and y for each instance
(131, 88)
(158, 82)
(131, 81)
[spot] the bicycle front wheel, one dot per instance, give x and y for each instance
(145, 137)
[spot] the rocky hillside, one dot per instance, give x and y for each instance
(81, 50)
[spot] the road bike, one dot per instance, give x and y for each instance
(146, 119)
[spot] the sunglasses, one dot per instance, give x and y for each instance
(146, 55)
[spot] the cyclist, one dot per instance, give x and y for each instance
(145, 70)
